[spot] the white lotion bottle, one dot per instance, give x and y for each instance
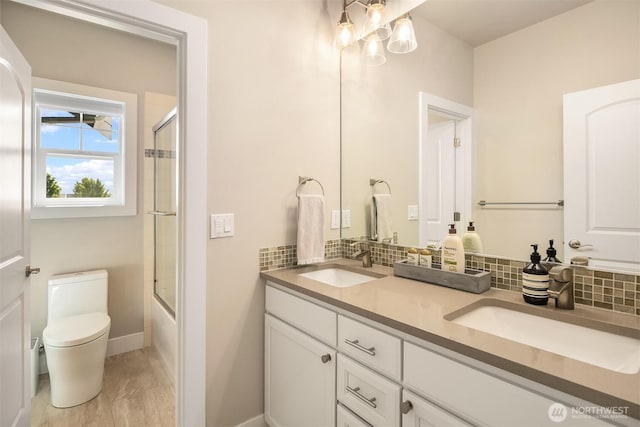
(471, 240)
(452, 252)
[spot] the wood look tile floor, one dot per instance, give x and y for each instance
(136, 392)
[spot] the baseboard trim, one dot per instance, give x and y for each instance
(125, 343)
(254, 422)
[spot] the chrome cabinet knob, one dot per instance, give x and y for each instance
(406, 407)
(325, 358)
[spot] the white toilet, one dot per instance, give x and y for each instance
(75, 339)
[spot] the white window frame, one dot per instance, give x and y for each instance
(63, 95)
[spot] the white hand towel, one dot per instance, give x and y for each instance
(384, 225)
(310, 228)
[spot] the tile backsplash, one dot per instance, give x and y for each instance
(595, 288)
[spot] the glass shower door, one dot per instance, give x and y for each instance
(165, 237)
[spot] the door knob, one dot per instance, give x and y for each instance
(575, 244)
(28, 271)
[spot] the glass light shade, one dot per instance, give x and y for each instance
(376, 20)
(403, 38)
(373, 51)
(345, 32)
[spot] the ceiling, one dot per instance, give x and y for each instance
(480, 21)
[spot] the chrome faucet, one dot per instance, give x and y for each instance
(364, 253)
(561, 287)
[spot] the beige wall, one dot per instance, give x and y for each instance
(273, 115)
(64, 49)
(519, 81)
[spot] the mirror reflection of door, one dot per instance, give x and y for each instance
(445, 168)
(602, 176)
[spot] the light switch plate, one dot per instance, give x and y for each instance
(222, 225)
(346, 218)
(412, 211)
(335, 219)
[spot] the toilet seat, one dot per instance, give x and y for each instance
(76, 330)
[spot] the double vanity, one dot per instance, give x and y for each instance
(350, 346)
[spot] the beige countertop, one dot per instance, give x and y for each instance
(419, 309)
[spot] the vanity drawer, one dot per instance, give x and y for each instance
(368, 394)
(306, 316)
(376, 349)
(478, 396)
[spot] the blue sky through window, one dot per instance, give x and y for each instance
(75, 146)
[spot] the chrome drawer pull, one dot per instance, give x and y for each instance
(356, 393)
(355, 343)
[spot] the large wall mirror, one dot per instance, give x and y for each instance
(513, 84)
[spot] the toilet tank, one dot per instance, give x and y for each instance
(77, 293)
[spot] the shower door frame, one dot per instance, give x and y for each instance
(166, 120)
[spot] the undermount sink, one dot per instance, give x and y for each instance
(340, 277)
(589, 344)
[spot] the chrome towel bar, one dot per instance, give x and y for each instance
(302, 180)
(483, 203)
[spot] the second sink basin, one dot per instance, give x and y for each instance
(613, 351)
(340, 277)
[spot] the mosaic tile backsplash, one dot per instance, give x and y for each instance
(602, 289)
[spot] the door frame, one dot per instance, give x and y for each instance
(189, 34)
(431, 104)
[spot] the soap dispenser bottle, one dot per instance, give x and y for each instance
(535, 280)
(452, 252)
(551, 254)
(471, 240)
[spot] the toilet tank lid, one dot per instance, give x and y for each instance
(76, 330)
(81, 276)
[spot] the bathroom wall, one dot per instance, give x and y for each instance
(61, 48)
(273, 115)
(519, 81)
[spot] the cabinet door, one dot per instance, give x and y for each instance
(346, 418)
(300, 385)
(423, 413)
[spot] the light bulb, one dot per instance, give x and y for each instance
(376, 20)
(373, 51)
(403, 38)
(345, 33)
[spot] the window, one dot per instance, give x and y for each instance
(84, 157)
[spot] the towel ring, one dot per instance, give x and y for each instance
(303, 180)
(373, 182)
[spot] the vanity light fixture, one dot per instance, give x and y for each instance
(345, 32)
(376, 21)
(376, 29)
(403, 38)
(373, 51)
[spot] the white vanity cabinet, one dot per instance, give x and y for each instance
(300, 370)
(483, 398)
(419, 412)
(325, 369)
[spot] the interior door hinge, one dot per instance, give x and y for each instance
(456, 142)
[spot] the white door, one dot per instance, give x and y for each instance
(15, 186)
(421, 413)
(602, 175)
(439, 180)
(300, 378)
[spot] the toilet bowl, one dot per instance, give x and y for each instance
(75, 339)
